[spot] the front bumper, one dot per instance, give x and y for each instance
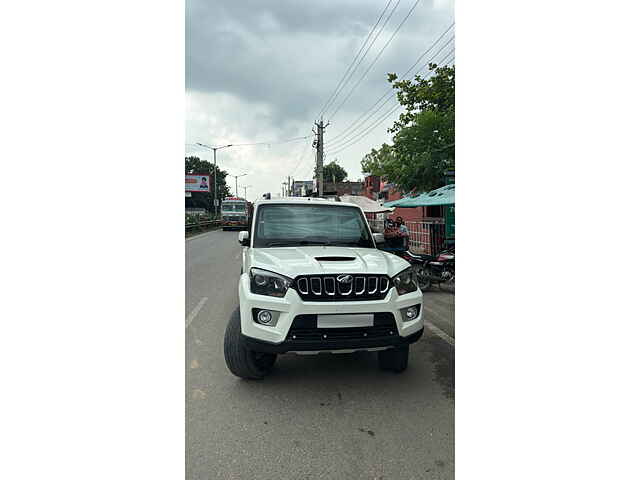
(332, 345)
(275, 339)
(230, 223)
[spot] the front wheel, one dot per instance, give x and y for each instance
(241, 361)
(422, 275)
(394, 359)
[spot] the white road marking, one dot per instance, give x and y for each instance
(451, 341)
(195, 311)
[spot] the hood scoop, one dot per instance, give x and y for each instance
(335, 259)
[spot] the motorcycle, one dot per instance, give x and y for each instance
(418, 262)
(429, 269)
(442, 268)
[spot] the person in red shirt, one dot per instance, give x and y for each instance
(392, 234)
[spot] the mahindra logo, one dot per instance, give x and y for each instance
(344, 278)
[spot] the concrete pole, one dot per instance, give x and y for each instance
(215, 186)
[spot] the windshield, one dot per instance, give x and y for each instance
(233, 207)
(291, 225)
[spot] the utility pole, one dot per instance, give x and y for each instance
(319, 156)
(215, 180)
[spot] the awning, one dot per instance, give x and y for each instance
(440, 196)
(367, 205)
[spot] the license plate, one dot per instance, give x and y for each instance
(345, 320)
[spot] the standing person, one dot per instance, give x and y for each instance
(404, 232)
(391, 233)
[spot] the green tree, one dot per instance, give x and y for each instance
(378, 162)
(424, 135)
(332, 172)
(194, 165)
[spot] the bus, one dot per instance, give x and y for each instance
(235, 213)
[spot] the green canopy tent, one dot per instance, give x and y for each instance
(440, 196)
(443, 196)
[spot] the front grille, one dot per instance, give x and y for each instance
(328, 288)
(304, 331)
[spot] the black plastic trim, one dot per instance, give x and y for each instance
(360, 344)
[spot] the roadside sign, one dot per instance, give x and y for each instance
(197, 183)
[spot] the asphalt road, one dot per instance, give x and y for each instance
(321, 416)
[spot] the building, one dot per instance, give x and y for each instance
(430, 226)
(431, 234)
(371, 188)
(343, 188)
(301, 188)
(375, 188)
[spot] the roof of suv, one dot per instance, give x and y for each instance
(307, 200)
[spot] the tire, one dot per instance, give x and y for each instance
(422, 275)
(394, 359)
(242, 362)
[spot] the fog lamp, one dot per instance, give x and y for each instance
(412, 312)
(264, 317)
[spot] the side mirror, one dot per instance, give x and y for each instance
(378, 238)
(243, 238)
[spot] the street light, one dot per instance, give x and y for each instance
(245, 189)
(237, 177)
(215, 183)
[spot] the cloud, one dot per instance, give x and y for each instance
(260, 70)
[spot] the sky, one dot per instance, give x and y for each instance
(262, 70)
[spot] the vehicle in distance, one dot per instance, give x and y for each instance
(235, 213)
(313, 280)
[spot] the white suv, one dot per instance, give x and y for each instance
(312, 281)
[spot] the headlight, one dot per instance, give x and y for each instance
(405, 282)
(264, 282)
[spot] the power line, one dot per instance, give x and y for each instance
(390, 96)
(391, 89)
(355, 139)
(302, 156)
(357, 136)
(310, 174)
(331, 98)
(275, 142)
(375, 59)
(271, 143)
(380, 30)
(368, 130)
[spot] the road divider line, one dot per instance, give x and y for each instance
(195, 311)
(443, 335)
